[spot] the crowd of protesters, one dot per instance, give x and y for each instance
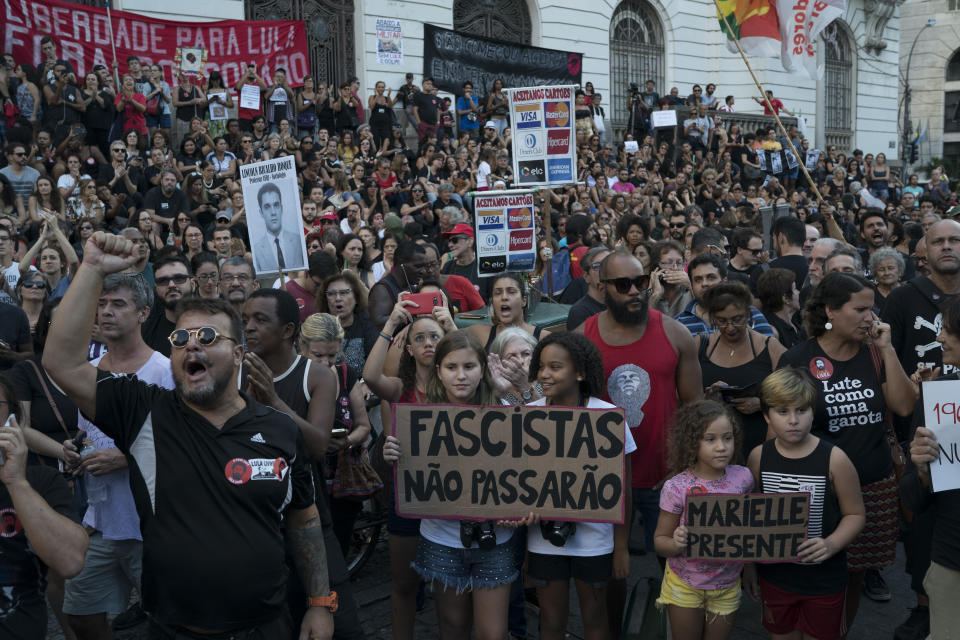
(777, 358)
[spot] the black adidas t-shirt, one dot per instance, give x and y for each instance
(850, 406)
(210, 502)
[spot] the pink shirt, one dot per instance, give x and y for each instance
(709, 576)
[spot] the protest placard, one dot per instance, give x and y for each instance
(271, 199)
(218, 109)
(941, 406)
(544, 137)
(506, 233)
(389, 42)
(250, 96)
(757, 527)
(487, 463)
(667, 118)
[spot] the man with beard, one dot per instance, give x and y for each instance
(277, 376)
(237, 281)
(409, 268)
(173, 281)
(913, 311)
(165, 201)
(142, 266)
(113, 563)
(747, 247)
(875, 233)
(657, 356)
(200, 578)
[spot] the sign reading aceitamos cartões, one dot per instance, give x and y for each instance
(488, 463)
(544, 137)
(506, 233)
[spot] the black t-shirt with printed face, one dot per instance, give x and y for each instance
(23, 609)
(850, 405)
(210, 501)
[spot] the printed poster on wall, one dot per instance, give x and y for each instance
(506, 233)
(271, 198)
(544, 139)
(389, 42)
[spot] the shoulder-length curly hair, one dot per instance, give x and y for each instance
(585, 356)
(687, 428)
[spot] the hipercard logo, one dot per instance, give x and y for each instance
(558, 142)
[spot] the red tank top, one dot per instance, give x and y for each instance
(641, 378)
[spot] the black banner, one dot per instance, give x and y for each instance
(452, 57)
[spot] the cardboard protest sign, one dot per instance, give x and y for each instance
(506, 233)
(544, 135)
(487, 463)
(757, 527)
(941, 410)
(271, 198)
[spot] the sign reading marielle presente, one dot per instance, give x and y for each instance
(82, 34)
(450, 57)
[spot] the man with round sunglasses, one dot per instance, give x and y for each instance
(650, 365)
(206, 462)
(174, 281)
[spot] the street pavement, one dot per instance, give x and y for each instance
(875, 621)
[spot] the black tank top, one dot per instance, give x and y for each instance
(779, 474)
(745, 375)
(291, 386)
(493, 335)
(380, 117)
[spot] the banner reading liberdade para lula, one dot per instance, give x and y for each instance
(544, 136)
(82, 36)
(506, 232)
(488, 463)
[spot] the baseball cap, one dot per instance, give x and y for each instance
(490, 124)
(330, 215)
(223, 215)
(460, 228)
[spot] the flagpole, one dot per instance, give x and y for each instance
(113, 46)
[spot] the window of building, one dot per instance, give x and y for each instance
(636, 55)
(838, 78)
(501, 19)
(951, 111)
(953, 5)
(953, 66)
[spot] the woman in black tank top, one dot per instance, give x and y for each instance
(508, 304)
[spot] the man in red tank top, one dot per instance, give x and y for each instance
(650, 364)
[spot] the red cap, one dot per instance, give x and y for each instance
(330, 215)
(460, 229)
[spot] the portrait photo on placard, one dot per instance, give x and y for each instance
(272, 203)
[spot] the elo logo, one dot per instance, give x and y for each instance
(531, 171)
(493, 264)
(521, 240)
(557, 114)
(558, 142)
(519, 218)
(528, 116)
(531, 144)
(493, 242)
(560, 170)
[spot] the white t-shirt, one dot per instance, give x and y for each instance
(66, 180)
(12, 273)
(345, 226)
(590, 538)
(483, 175)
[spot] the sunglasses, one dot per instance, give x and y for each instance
(34, 284)
(163, 281)
(206, 336)
(623, 285)
(677, 225)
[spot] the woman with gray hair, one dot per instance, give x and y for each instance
(509, 363)
(887, 266)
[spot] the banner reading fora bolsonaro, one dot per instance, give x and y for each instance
(544, 136)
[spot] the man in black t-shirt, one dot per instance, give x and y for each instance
(184, 448)
(165, 201)
(747, 250)
(174, 281)
(788, 235)
(426, 109)
(38, 528)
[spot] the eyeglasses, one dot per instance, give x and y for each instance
(339, 293)
(623, 285)
(206, 276)
(417, 190)
(736, 321)
(672, 265)
(421, 338)
(117, 149)
(19, 154)
(456, 239)
(430, 266)
(241, 278)
(756, 252)
(163, 281)
(206, 336)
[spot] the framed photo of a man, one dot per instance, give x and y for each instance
(272, 201)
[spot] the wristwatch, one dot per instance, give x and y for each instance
(331, 601)
(527, 395)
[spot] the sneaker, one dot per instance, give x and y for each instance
(875, 588)
(130, 618)
(915, 627)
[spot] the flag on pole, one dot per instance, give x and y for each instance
(754, 23)
(787, 29)
(922, 134)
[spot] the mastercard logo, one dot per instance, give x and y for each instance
(557, 114)
(520, 218)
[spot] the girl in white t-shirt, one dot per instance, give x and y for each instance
(570, 369)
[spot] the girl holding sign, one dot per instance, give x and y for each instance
(474, 580)
(701, 597)
(570, 369)
(806, 599)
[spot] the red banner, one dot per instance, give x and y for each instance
(83, 37)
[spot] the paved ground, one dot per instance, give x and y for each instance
(874, 622)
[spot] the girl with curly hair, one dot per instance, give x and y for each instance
(701, 598)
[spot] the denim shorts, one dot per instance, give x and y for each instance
(466, 569)
(398, 525)
(161, 121)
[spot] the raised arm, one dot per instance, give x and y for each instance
(65, 358)
(386, 387)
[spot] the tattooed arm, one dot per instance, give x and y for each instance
(310, 558)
